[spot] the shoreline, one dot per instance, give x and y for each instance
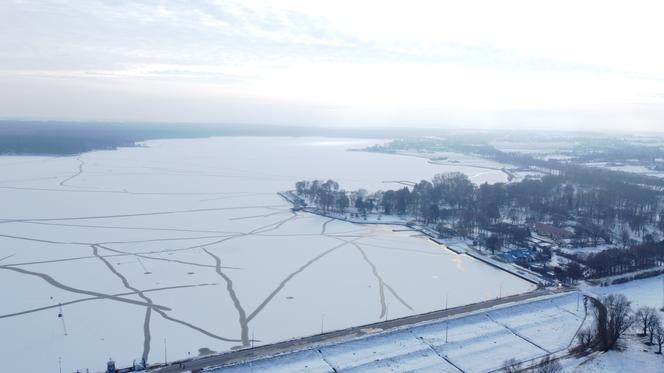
(520, 273)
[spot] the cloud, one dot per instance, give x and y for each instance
(380, 61)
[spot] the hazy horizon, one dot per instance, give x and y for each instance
(514, 65)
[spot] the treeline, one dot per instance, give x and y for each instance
(617, 151)
(67, 138)
(324, 194)
(451, 202)
(618, 261)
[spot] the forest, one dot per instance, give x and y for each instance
(452, 201)
(591, 208)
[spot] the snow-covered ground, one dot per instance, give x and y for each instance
(632, 168)
(479, 170)
(482, 341)
(646, 292)
(636, 356)
(588, 250)
(184, 245)
(535, 146)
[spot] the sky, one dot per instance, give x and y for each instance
(585, 65)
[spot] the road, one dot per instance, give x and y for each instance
(336, 336)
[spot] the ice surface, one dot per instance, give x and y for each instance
(184, 245)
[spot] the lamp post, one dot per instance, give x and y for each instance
(578, 295)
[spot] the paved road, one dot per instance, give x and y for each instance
(336, 336)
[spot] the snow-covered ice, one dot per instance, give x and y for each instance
(483, 340)
(184, 245)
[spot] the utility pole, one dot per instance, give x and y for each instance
(60, 364)
(322, 323)
(62, 318)
(252, 336)
(578, 295)
(446, 330)
(446, 296)
(165, 352)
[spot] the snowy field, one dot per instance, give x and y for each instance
(476, 343)
(647, 292)
(184, 245)
(482, 341)
(635, 169)
(636, 356)
(479, 170)
(536, 146)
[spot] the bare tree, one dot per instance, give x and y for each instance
(624, 237)
(643, 318)
(548, 365)
(619, 317)
(655, 323)
(511, 365)
(585, 339)
(659, 337)
(574, 271)
(613, 318)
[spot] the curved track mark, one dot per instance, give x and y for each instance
(244, 329)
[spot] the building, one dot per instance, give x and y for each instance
(553, 232)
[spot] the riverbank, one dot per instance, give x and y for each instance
(300, 205)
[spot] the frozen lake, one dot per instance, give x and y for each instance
(184, 245)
